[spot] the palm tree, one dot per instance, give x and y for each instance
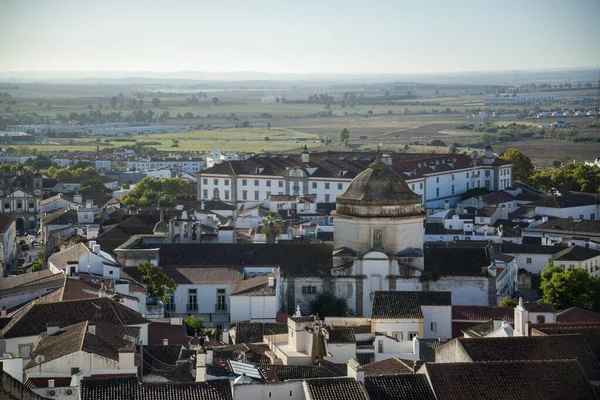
(272, 225)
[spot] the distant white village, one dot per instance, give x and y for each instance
(421, 266)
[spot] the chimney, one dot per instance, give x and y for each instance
(50, 383)
(271, 281)
(78, 199)
(200, 366)
(92, 329)
(3, 312)
(165, 342)
(126, 358)
(52, 328)
(96, 249)
(356, 371)
(92, 244)
(76, 379)
(209, 355)
(89, 203)
(446, 204)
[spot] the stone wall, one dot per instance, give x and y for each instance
(12, 387)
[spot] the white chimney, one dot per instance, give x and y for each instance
(3, 312)
(78, 199)
(356, 371)
(92, 329)
(209, 355)
(96, 249)
(165, 342)
(52, 328)
(446, 204)
(200, 366)
(92, 244)
(89, 203)
(271, 281)
(126, 358)
(50, 383)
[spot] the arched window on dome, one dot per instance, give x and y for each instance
(378, 239)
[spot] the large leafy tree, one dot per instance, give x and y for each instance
(573, 287)
(156, 281)
(194, 325)
(326, 304)
(344, 136)
(271, 224)
(153, 192)
(521, 164)
(93, 185)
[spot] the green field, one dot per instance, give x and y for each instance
(392, 125)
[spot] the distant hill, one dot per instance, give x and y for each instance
(178, 77)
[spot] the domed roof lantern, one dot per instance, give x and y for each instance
(378, 191)
(242, 380)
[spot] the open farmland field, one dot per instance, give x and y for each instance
(394, 124)
(543, 152)
(247, 140)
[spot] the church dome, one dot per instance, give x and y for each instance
(378, 191)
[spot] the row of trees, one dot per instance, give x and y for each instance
(69, 173)
(98, 117)
(576, 177)
(157, 192)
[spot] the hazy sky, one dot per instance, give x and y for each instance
(303, 36)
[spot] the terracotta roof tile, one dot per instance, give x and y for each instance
(5, 222)
(129, 388)
(105, 342)
(538, 307)
(31, 320)
(31, 278)
(388, 366)
(406, 304)
(516, 380)
(576, 253)
(554, 347)
(399, 387)
(576, 314)
(340, 335)
(482, 313)
(287, 372)
(295, 260)
(336, 389)
(252, 332)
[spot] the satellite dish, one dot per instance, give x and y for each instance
(39, 359)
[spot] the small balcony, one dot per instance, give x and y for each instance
(192, 306)
(221, 307)
(154, 311)
(170, 307)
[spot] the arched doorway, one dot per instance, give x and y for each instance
(20, 225)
